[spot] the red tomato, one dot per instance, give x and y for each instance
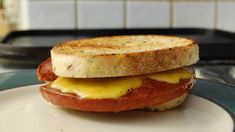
(150, 93)
(44, 71)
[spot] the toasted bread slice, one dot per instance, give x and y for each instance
(122, 56)
(168, 105)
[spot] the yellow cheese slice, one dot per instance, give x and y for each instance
(172, 76)
(114, 87)
(98, 88)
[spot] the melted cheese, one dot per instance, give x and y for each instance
(114, 87)
(171, 76)
(98, 88)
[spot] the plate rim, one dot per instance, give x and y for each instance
(33, 81)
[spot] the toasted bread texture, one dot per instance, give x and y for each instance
(168, 105)
(122, 55)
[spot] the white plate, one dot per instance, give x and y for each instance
(23, 110)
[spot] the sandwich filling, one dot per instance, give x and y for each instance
(113, 88)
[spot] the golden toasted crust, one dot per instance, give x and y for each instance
(122, 55)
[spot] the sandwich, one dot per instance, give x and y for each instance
(119, 73)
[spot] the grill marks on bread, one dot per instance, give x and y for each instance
(122, 55)
(121, 44)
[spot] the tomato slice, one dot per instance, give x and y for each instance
(44, 71)
(151, 92)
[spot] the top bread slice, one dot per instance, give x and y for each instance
(122, 56)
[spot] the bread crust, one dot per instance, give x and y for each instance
(122, 56)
